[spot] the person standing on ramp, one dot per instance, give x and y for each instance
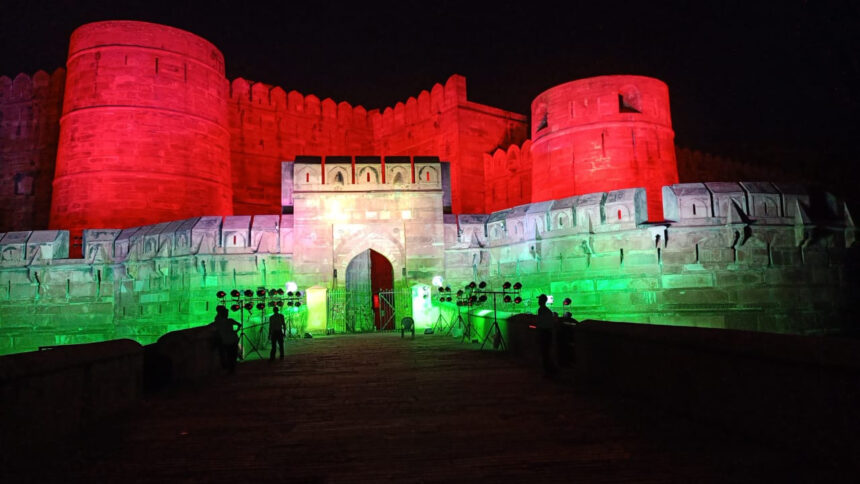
(277, 329)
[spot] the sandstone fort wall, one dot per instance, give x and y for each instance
(750, 256)
(29, 128)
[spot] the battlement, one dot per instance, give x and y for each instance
(25, 87)
(365, 173)
(508, 176)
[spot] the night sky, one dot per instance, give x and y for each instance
(770, 83)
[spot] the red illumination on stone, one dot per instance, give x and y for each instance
(151, 131)
(603, 133)
(144, 135)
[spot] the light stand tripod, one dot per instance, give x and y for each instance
(247, 300)
(441, 323)
(457, 322)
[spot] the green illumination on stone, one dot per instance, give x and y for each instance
(317, 308)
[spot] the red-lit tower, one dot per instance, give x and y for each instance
(603, 133)
(144, 135)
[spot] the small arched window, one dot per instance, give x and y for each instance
(338, 178)
(398, 178)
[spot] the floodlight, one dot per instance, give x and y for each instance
(448, 299)
(566, 301)
(447, 288)
(220, 294)
(261, 306)
(298, 293)
(234, 307)
(273, 292)
(234, 293)
(482, 285)
(441, 298)
(249, 293)
(507, 298)
(518, 300)
(506, 285)
(249, 306)
(261, 292)
(290, 294)
(518, 286)
(473, 285)
(280, 292)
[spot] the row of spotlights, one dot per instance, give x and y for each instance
(235, 293)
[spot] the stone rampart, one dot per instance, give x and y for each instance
(751, 256)
(48, 394)
(794, 391)
(758, 256)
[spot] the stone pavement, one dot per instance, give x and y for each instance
(374, 408)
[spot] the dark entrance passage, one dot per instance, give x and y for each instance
(368, 274)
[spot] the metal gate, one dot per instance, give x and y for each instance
(352, 311)
(394, 305)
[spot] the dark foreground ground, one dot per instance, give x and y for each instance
(375, 408)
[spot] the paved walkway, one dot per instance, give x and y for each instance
(375, 408)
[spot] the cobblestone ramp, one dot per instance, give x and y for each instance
(375, 408)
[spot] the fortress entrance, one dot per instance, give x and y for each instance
(369, 282)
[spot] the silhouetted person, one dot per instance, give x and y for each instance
(277, 328)
(545, 326)
(228, 340)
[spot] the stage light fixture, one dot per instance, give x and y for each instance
(280, 292)
(249, 306)
(280, 304)
(441, 289)
(290, 294)
(298, 303)
(483, 298)
(482, 285)
(448, 299)
(566, 301)
(517, 286)
(472, 285)
(518, 300)
(234, 293)
(473, 298)
(298, 293)
(249, 293)
(506, 285)
(459, 292)
(221, 294)
(234, 307)
(289, 303)
(273, 292)
(447, 288)
(507, 298)
(261, 305)
(261, 292)
(441, 298)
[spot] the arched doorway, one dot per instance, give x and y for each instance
(368, 274)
